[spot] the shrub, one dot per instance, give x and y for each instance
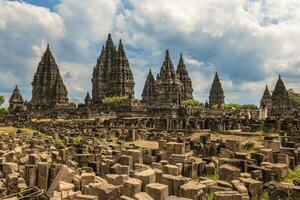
(191, 102)
(115, 100)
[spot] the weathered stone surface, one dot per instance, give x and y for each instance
(132, 187)
(227, 195)
(229, 173)
(193, 190)
(157, 191)
(142, 196)
(65, 174)
(147, 177)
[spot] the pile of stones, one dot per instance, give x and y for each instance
(180, 168)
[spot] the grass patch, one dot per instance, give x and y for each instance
(214, 176)
(78, 138)
(7, 129)
(10, 129)
(292, 174)
(144, 144)
(265, 196)
(210, 196)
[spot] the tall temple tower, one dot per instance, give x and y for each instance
(112, 75)
(216, 94)
(280, 97)
(121, 77)
(148, 95)
(168, 87)
(48, 89)
(187, 89)
(16, 101)
(266, 99)
(98, 79)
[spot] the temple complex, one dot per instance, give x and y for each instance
(113, 146)
(216, 94)
(48, 89)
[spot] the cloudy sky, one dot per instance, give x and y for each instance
(249, 42)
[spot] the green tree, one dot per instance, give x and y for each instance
(114, 101)
(191, 102)
(2, 99)
(294, 98)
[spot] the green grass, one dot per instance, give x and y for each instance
(215, 176)
(78, 138)
(292, 174)
(210, 196)
(265, 196)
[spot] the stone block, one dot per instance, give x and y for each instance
(157, 191)
(43, 175)
(255, 188)
(229, 173)
(227, 195)
(171, 169)
(147, 176)
(142, 196)
(9, 168)
(132, 187)
(65, 174)
(193, 190)
(87, 178)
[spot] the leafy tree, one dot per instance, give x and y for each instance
(191, 102)
(294, 98)
(1, 100)
(115, 100)
(248, 106)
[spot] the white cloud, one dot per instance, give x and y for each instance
(248, 42)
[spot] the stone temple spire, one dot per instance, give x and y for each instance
(16, 99)
(121, 77)
(187, 89)
(280, 97)
(98, 79)
(48, 89)
(87, 99)
(216, 94)
(168, 87)
(148, 95)
(112, 75)
(266, 100)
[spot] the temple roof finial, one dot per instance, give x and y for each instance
(121, 47)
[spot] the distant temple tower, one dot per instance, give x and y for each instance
(16, 102)
(216, 94)
(187, 89)
(112, 75)
(148, 95)
(168, 87)
(87, 99)
(266, 100)
(280, 97)
(48, 89)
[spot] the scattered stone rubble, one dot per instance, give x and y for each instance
(180, 168)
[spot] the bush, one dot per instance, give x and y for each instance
(248, 106)
(191, 102)
(114, 101)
